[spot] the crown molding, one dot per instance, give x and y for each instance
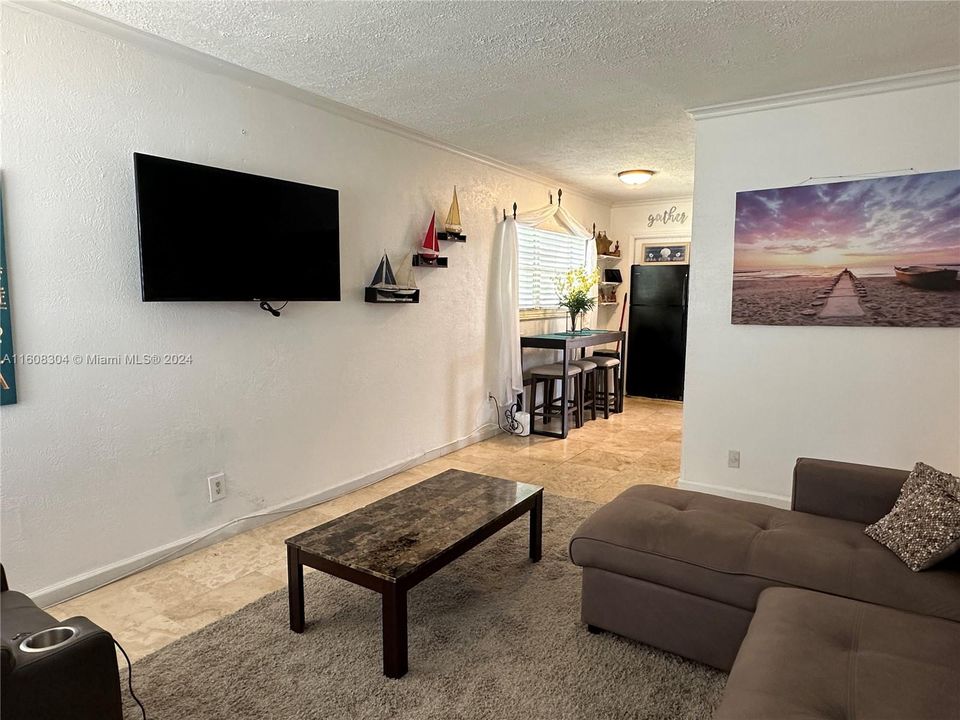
(208, 64)
(652, 201)
(924, 78)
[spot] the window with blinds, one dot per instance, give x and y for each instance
(543, 255)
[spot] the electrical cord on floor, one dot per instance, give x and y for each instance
(513, 425)
(130, 678)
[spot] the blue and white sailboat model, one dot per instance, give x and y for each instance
(386, 287)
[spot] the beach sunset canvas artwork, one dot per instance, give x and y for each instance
(883, 252)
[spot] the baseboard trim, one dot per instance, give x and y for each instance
(780, 501)
(106, 574)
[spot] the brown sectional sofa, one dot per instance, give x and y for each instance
(686, 572)
(810, 655)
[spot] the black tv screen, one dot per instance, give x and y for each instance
(212, 234)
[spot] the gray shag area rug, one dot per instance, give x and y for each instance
(491, 636)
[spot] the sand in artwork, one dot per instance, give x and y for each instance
(885, 302)
(879, 252)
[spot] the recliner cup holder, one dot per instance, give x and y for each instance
(48, 639)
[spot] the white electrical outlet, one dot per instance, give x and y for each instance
(733, 458)
(217, 484)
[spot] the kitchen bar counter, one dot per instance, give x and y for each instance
(565, 342)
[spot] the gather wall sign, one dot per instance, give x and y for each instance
(668, 217)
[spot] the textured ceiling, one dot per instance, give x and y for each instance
(572, 90)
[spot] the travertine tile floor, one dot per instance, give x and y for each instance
(151, 609)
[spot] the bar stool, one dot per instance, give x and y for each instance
(548, 375)
(614, 354)
(607, 366)
(588, 384)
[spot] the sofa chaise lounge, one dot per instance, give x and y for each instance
(683, 571)
(812, 655)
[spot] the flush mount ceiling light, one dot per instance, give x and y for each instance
(635, 177)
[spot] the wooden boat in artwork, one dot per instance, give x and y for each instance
(927, 277)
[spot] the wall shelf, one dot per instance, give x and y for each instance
(451, 237)
(440, 262)
(371, 295)
(609, 257)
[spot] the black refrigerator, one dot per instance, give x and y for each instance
(657, 334)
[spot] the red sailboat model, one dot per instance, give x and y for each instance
(429, 251)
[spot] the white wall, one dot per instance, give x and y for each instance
(641, 222)
(885, 396)
(104, 464)
(650, 221)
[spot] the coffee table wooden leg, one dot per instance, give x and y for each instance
(536, 528)
(394, 632)
(295, 588)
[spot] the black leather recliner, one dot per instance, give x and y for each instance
(54, 670)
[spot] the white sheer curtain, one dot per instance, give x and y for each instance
(505, 299)
(590, 263)
(505, 312)
(535, 218)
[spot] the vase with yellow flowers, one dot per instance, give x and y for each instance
(573, 288)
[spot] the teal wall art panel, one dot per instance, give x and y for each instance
(8, 380)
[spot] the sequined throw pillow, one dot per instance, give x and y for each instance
(923, 527)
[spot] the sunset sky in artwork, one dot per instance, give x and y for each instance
(902, 220)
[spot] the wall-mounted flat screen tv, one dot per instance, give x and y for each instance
(213, 234)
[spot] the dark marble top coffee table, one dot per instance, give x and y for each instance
(396, 542)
